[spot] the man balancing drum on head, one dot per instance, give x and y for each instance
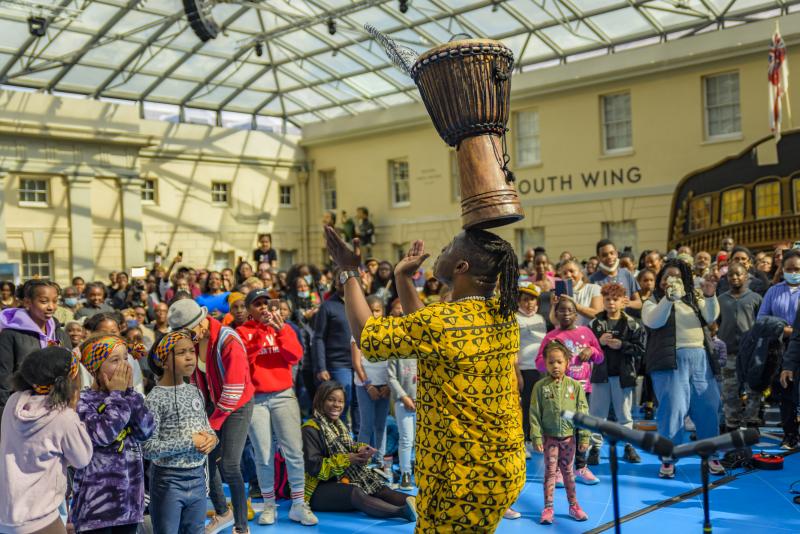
(470, 452)
(470, 449)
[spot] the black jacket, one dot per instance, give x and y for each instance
(14, 346)
(661, 354)
(760, 351)
(331, 343)
(791, 358)
(632, 335)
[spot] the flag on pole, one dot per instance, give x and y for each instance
(778, 76)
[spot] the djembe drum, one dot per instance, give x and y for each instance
(466, 88)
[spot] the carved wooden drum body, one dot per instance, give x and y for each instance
(466, 88)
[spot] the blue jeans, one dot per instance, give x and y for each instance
(373, 415)
(178, 500)
(406, 425)
(691, 390)
(344, 375)
(278, 412)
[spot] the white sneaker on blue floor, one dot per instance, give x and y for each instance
(267, 516)
(301, 512)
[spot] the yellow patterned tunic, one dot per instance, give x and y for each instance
(470, 450)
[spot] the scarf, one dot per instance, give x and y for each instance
(337, 439)
(606, 269)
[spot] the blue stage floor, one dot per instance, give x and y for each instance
(756, 501)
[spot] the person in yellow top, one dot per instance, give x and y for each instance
(470, 449)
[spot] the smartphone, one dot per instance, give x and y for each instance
(274, 304)
(138, 272)
(564, 287)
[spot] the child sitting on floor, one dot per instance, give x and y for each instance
(554, 436)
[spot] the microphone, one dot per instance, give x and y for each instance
(647, 441)
(738, 439)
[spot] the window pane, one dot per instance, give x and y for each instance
(617, 126)
(732, 206)
(722, 104)
(700, 214)
(768, 200)
(796, 183)
(327, 182)
(149, 190)
(622, 233)
(528, 238)
(36, 265)
(285, 195)
(33, 191)
(398, 176)
(527, 138)
(219, 192)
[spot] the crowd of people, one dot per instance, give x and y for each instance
(111, 390)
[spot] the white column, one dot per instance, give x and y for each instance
(132, 233)
(3, 236)
(80, 226)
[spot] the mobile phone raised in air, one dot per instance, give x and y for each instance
(274, 304)
(564, 287)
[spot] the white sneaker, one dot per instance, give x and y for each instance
(301, 512)
(267, 517)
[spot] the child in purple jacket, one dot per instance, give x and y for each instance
(109, 492)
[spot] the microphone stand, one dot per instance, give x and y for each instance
(706, 510)
(613, 461)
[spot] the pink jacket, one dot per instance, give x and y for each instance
(37, 445)
(575, 340)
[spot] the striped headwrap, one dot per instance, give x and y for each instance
(167, 343)
(72, 372)
(95, 351)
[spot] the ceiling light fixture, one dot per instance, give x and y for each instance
(37, 26)
(200, 18)
(259, 47)
(331, 26)
(403, 6)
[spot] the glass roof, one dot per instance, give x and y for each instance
(310, 60)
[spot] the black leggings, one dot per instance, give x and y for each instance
(118, 529)
(788, 406)
(529, 378)
(336, 497)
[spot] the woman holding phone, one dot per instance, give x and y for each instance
(338, 477)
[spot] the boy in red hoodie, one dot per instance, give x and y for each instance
(272, 350)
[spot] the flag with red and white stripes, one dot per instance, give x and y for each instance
(778, 76)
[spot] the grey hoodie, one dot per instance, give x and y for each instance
(38, 443)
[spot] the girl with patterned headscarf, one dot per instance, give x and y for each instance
(182, 439)
(109, 492)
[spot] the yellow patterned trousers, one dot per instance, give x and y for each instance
(441, 510)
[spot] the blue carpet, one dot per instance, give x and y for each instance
(757, 501)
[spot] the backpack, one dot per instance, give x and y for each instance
(282, 489)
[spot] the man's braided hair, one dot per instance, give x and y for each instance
(492, 256)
